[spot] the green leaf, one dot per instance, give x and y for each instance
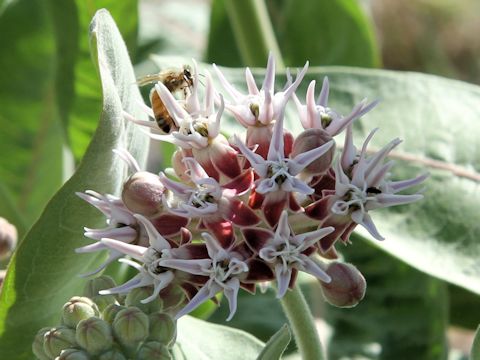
(200, 340)
(277, 344)
(32, 141)
(404, 314)
(475, 353)
(326, 32)
(43, 273)
(77, 89)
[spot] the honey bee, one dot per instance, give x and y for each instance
(174, 80)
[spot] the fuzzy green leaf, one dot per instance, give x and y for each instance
(43, 273)
(200, 340)
(277, 344)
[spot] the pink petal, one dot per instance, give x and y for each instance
(223, 231)
(242, 215)
(257, 238)
(169, 224)
(241, 184)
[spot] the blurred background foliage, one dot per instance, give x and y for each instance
(51, 100)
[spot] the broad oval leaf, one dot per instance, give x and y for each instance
(200, 340)
(438, 119)
(277, 344)
(43, 273)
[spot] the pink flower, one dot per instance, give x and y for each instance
(361, 185)
(317, 115)
(286, 252)
(217, 206)
(278, 173)
(258, 109)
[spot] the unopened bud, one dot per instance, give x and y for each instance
(142, 193)
(131, 325)
(153, 350)
(135, 297)
(73, 354)
(113, 354)
(94, 335)
(93, 286)
(111, 311)
(162, 328)
(77, 309)
(8, 238)
(57, 339)
(37, 345)
(312, 139)
(347, 287)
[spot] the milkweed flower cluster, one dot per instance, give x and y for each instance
(226, 216)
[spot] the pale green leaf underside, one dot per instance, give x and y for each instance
(277, 344)
(43, 274)
(200, 340)
(439, 121)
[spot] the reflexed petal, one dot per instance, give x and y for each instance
(257, 238)
(241, 214)
(241, 184)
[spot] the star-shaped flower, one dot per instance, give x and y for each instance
(286, 252)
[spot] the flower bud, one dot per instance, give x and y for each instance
(111, 311)
(37, 345)
(135, 297)
(8, 238)
(153, 350)
(311, 139)
(130, 325)
(113, 354)
(94, 335)
(92, 288)
(347, 287)
(162, 329)
(142, 193)
(57, 339)
(77, 309)
(73, 354)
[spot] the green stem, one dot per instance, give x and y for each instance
(253, 32)
(302, 324)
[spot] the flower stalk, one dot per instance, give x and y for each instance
(302, 324)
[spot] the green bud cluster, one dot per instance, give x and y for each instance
(109, 327)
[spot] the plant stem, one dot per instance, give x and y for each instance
(302, 324)
(253, 32)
